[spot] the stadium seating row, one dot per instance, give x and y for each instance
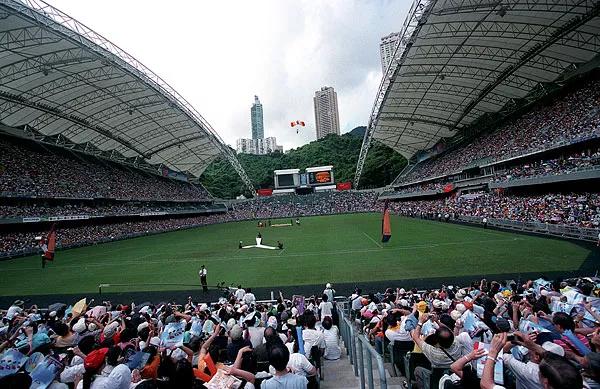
(29, 170)
(569, 118)
(573, 209)
(485, 334)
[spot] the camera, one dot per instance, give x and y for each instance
(513, 338)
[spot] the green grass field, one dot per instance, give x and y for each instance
(342, 248)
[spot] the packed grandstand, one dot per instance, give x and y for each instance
(121, 346)
(535, 169)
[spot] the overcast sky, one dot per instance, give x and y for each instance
(219, 54)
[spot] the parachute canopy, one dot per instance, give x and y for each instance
(297, 124)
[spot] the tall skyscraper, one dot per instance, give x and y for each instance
(256, 116)
(327, 116)
(387, 46)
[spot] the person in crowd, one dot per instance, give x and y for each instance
(311, 336)
(330, 292)
(325, 307)
(279, 357)
(570, 340)
(331, 335)
(441, 349)
(554, 371)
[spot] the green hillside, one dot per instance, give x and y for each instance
(381, 167)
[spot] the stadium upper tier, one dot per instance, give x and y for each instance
(571, 117)
(62, 80)
(30, 170)
(459, 62)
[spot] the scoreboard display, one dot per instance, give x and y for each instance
(318, 176)
(285, 180)
(322, 177)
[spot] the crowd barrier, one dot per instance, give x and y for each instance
(361, 353)
(559, 230)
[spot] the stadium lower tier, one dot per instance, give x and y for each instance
(570, 209)
(236, 335)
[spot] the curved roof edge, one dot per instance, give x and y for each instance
(41, 18)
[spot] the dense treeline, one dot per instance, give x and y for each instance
(381, 167)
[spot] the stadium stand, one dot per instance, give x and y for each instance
(428, 337)
(577, 209)
(38, 172)
(325, 203)
(127, 220)
(569, 119)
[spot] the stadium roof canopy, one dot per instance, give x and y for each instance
(457, 60)
(59, 78)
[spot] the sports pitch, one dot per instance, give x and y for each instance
(339, 249)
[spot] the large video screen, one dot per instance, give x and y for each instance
(323, 177)
(285, 179)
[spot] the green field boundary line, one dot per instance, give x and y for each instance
(167, 261)
(372, 240)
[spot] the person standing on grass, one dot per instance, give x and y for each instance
(202, 274)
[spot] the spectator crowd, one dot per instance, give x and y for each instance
(577, 209)
(27, 172)
(551, 167)
(570, 163)
(320, 203)
(236, 342)
(570, 118)
(488, 334)
(507, 334)
(36, 209)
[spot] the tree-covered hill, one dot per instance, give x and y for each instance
(381, 167)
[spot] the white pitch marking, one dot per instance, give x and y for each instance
(306, 254)
(373, 240)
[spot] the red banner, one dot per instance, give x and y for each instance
(264, 192)
(386, 227)
(344, 185)
(448, 188)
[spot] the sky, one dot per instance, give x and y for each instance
(219, 54)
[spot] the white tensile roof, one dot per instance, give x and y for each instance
(460, 59)
(58, 77)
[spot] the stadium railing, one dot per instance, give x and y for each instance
(359, 351)
(59, 217)
(582, 173)
(559, 230)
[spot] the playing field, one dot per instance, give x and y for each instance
(342, 248)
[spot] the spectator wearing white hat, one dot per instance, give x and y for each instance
(330, 292)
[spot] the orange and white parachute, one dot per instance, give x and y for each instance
(297, 124)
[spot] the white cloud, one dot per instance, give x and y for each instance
(219, 54)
